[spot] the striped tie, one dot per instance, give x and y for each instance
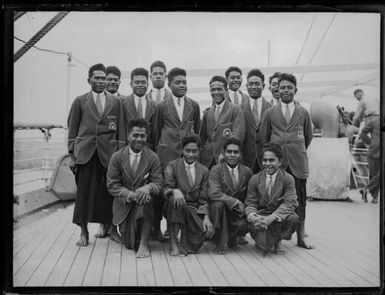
(158, 97)
(140, 108)
(287, 114)
(270, 186)
(135, 163)
(99, 104)
(236, 100)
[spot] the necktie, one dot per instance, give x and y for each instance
(189, 175)
(255, 112)
(135, 163)
(287, 114)
(178, 101)
(140, 108)
(270, 185)
(234, 179)
(99, 104)
(158, 97)
(236, 100)
(217, 112)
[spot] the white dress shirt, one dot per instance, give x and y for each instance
(259, 105)
(144, 103)
(232, 93)
(220, 106)
(179, 108)
(102, 98)
(291, 108)
(154, 92)
(133, 155)
(190, 167)
(236, 171)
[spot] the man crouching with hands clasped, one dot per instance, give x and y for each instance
(270, 203)
(134, 178)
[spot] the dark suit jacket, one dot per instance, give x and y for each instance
(221, 186)
(130, 112)
(87, 131)
(175, 177)
(281, 202)
(167, 129)
(374, 129)
(121, 181)
(252, 145)
(213, 134)
(294, 138)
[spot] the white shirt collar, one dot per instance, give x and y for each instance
(133, 154)
(221, 104)
(176, 99)
(137, 97)
(189, 165)
(272, 177)
(232, 92)
(102, 94)
(235, 169)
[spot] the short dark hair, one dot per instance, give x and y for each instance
(258, 73)
(275, 75)
(113, 70)
(97, 67)
(158, 63)
(219, 79)
(358, 90)
(139, 71)
(175, 72)
(232, 68)
(288, 77)
(231, 140)
(191, 138)
(274, 148)
(138, 122)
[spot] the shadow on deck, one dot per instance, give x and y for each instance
(347, 254)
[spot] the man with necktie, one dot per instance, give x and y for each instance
(134, 179)
(289, 125)
(95, 131)
(221, 120)
(270, 203)
(227, 191)
(254, 107)
(234, 79)
(113, 75)
(158, 79)
(187, 205)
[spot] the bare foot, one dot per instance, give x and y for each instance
(278, 249)
(220, 249)
(83, 241)
(102, 232)
(143, 251)
(116, 238)
(174, 249)
(303, 244)
(242, 240)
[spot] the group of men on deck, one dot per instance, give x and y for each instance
(241, 168)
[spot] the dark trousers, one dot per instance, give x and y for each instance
(226, 223)
(373, 185)
(300, 187)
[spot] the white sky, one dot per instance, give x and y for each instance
(188, 40)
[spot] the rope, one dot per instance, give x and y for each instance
(57, 18)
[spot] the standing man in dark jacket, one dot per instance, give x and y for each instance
(95, 132)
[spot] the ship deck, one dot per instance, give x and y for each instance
(346, 236)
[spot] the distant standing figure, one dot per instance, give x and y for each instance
(158, 76)
(273, 87)
(270, 203)
(134, 179)
(367, 108)
(372, 128)
(234, 79)
(95, 131)
(113, 75)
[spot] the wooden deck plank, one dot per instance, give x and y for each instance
(79, 267)
(22, 276)
(44, 270)
(178, 271)
(145, 272)
(214, 275)
(228, 270)
(111, 271)
(95, 269)
(162, 272)
(195, 271)
(62, 267)
(128, 269)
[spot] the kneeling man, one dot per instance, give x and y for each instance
(270, 203)
(134, 178)
(187, 208)
(227, 191)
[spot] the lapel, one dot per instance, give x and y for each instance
(262, 186)
(227, 178)
(187, 109)
(296, 115)
(248, 112)
(134, 177)
(92, 105)
(129, 101)
(223, 114)
(279, 114)
(172, 109)
(108, 105)
(277, 187)
(150, 107)
(182, 175)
